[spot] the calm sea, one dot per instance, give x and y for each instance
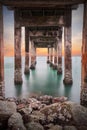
(43, 80)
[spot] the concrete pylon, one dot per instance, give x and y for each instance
(48, 55)
(84, 60)
(33, 56)
(2, 90)
(18, 66)
(68, 47)
(55, 57)
(51, 56)
(27, 70)
(59, 40)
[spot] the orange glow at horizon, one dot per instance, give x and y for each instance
(9, 51)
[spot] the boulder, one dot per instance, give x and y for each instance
(57, 112)
(82, 128)
(70, 128)
(34, 103)
(59, 99)
(27, 110)
(79, 113)
(15, 122)
(6, 109)
(34, 126)
(56, 127)
(46, 99)
(36, 116)
(48, 126)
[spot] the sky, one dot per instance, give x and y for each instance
(77, 25)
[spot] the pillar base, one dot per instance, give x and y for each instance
(83, 97)
(27, 70)
(59, 70)
(18, 77)
(32, 67)
(68, 81)
(48, 61)
(35, 62)
(2, 89)
(51, 64)
(54, 67)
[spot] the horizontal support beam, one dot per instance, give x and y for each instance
(44, 28)
(44, 44)
(40, 21)
(39, 3)
(43, 39)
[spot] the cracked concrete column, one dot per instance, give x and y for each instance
(84, 60)
(48, 56)
(2, 91)
(59, 40)
(17, 51)
(27, 70)
(68, 48)
(33, 55)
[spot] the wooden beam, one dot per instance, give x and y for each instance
(44, 44)
(43, 40)
(40, 3)
(39, 21)
(41, 29)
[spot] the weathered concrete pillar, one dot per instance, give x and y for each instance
(2, 91)
(67, 47)
(55, 57)
(51, 57)
(27, 70)
(84, 60)
(18, 69)
(48, 56)
(33, 55)
(59, 40)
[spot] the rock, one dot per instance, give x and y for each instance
(50, 109)
(27, 110)
(70, 128)
(46, 99)
(15, 122)
(36, 116)
(34, 103)
(2, 98)
(82, 128)
(57, 112)
(50, 112)
(20, 106)
(34, 126)
(6, 109)
(11, 99)
(48, 126)
(59, 99)
(56, 127)
(79, 113)
(21, 101)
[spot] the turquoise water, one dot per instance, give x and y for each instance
(43, 80)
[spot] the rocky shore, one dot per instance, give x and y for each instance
(42, 113)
